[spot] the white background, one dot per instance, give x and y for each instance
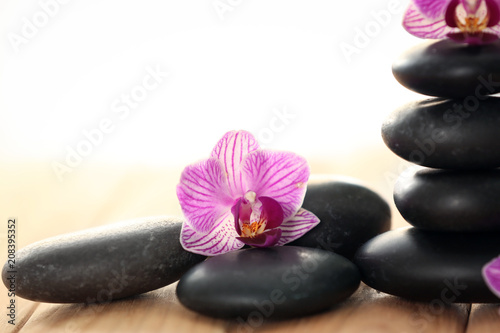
(229, 68)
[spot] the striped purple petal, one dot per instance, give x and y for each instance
(432, 8)
(297, 226)
(231, 150)
(420, 25)
(220, 239)
(203, 194)
(279, 175)
(491, 275)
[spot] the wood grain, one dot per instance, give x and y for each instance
(366, 311)
(484, 318)
(151, 312)
(371, 311)
(24, 311)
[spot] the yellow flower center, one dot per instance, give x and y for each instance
(253, 229)
(255, 223)
(473, 24)
(472, 18)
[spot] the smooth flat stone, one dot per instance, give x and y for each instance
(102, 264)
(445, 200)
(428, 266)
(278, 282)
(350, 215)
(449, 69)
(440, 133)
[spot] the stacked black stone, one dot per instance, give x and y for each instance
(452, 200)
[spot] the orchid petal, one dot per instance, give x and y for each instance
(235, 210)
(265, 239)
(423, 26)
(494, 12)
(231, 150)
(272, 212)
(220, 239)
(297, 226)
(202, 194)
(450, 15)
(280, 175)
(491, 275)
(495, 30)
(432, 8)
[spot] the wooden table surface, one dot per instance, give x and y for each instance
(95, 195)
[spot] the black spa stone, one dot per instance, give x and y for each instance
(446, 200)
(350, 215)
(429, 266)
(276, 282)
(449, 69)
(446, 134)
(102, 264)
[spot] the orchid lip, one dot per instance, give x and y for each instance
(255, 215)
(473, 39)
(265, 239)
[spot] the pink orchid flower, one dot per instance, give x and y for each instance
(243, 195)
(466, 21)
(491, 275)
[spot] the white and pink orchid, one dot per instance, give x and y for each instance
(466, 21)
(243, 195)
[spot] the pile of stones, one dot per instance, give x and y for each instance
(128, 258)
(452, 197)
